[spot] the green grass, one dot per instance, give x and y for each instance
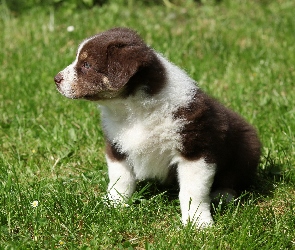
(241, 52)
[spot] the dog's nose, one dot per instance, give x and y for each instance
(58, 78)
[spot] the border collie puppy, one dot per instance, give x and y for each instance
(159, 124)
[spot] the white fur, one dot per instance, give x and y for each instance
(122, 180)
(195, 179)
(69, 78)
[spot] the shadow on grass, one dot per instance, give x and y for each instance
(149, 189)
(265, 183)
(270, 176)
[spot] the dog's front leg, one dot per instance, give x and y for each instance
(195, 180)
(122, 180)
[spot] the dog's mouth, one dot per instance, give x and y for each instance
(69, 93)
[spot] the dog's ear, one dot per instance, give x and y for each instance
(124, 60)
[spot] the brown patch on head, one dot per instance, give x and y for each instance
(116, 63)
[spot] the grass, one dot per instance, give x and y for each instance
(241, 52)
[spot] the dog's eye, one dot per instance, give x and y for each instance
(86, 65)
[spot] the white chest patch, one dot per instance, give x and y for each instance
(150, 141)
(150, 146)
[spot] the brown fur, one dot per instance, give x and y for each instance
(222, 137)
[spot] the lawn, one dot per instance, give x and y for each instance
(52, 148)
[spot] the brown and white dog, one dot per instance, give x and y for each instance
(156, 120)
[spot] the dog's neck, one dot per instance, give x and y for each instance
(177, 92)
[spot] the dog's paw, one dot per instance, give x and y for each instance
(200, 221)
(204, 223)
(117, 204)
(115, 201)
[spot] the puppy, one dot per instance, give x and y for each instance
(156, 120)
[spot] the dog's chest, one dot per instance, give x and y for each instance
(150, 139)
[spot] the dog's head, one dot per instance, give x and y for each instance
(105, 64)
